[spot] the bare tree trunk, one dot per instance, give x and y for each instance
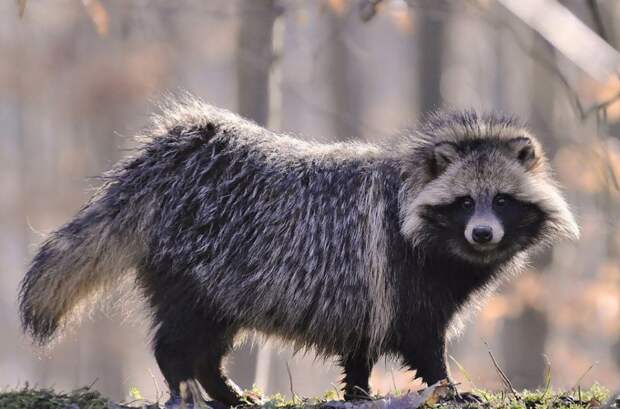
(523, 341)
(344, 97)
(523, 338)
(430, 45)
(254, 58)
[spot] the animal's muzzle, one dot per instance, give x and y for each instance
(482, 234)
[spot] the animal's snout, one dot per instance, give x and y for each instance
(482, 234)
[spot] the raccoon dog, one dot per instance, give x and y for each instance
(352, 249)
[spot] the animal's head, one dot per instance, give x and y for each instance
(481, 187)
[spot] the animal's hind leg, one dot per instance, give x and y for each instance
(208, 367)
(173, 353)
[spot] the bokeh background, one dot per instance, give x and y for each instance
(79, 78)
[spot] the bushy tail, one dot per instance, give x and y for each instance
(82, 257)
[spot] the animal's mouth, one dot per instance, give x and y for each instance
(480, 255)
(484, 248)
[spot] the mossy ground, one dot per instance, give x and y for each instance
(28, 398)
(87, 398)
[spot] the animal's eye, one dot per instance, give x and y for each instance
(499, 200)
(467, 203)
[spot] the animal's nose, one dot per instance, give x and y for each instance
(482, 234)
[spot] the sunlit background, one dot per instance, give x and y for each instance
(79, 78)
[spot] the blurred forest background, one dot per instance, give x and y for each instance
(79, 78)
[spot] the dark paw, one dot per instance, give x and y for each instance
(357, 395)
(467, 397)
(175, 402)
(213, 404)
(353, 398)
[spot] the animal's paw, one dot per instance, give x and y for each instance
(355, 393)
(252, 398)
(213, 404)
(450, 393)
(352, 397)
(467, 397)
(176, 402)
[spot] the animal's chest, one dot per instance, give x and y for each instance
(439, 287)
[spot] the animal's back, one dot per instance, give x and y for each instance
(272, 236)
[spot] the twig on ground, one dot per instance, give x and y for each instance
(337, 390)
(290, 382)
(547, 375)
(578, 383)
(363, 392)
(158, 394)
(502, 374)
(463, 371)
(92, 383)
(393, 380)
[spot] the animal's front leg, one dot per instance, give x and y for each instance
(357, 367)
(425, 352)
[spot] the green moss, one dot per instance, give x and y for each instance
(87, 398)
(28, 398)
(541, 399)
(546, 399)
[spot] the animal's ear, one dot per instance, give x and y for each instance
(444, 153)
(524, 151)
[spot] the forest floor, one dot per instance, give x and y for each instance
(430, 398)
